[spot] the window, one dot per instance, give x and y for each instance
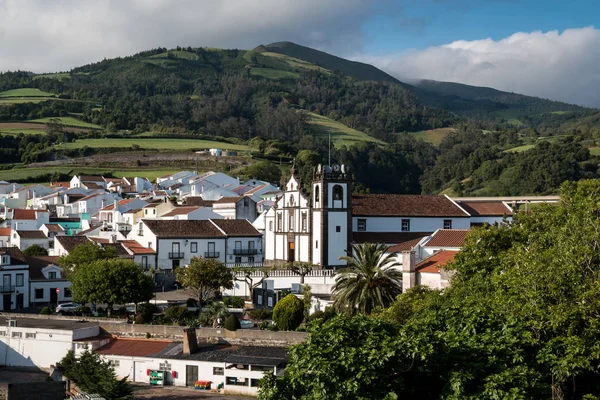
(316, 244)
(51, 243)
(149, 245)
(194, 247)
(254, 382)
(17, 335)
(211, 248)
(238, 260)
(361, 225)
(144, 261)
(338, 192)
(39, 293)
(218, 371)
(405, 225)
(304, 223)
(250, 260)
(231, 380)
(251, 245)
(68, 292)
(114, 363)
(279, 222)
(52, 275)
(271, 226)
(447, 224)
(317, 194)
(29, 335)
(338, 228)
(291, 221)
(20, 280)
(238, 245)
(82, 345)
(2, 333)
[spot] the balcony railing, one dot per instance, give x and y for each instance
(175, 255)
(7, 289)
(211, 254)
(244, 265)
(245, 252)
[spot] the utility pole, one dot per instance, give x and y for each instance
(329, 149)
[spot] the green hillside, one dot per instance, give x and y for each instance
(25, 92)
(341, 135)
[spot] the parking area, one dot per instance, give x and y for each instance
(143, 391)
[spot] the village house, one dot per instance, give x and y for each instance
(15, 279)
(239, 207)
(47, 282)
(191, 213)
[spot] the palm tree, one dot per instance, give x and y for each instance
(215, 313)
(370, 280)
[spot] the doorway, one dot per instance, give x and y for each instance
(191, 375)
(53, 296)
(291, 252)
(139, 372)
(6, 302)
(20, 301)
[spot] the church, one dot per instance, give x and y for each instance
(321, 226)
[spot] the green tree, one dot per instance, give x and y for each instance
(205, 275)
(232, 323)
(264, 171)
(288, 313)
(94, 375)
(214, 314)
(35, 250)
(110, 281)
(370, 280)
(307, 300)
(84, 254)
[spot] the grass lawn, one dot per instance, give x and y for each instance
(69, 121)
(26, 173)
(434, 136)
(15, 100)
(273, 74)
(159, 144)
(60, 76)
(595, 151)
(295, 62)
(181, 54)
(25, 92)
(340, 134)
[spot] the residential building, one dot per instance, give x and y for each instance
(48, 284)
(25, 239)
(88, 182)
(237, 207)
(15, 279)
(191, 213)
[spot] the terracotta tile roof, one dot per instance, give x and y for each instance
(236, 227)
(54, 228)
(485, 208)
(119, 249)
(120, 203)
(224, 200)
(32, 235)
(404, 205)
(24, 214)
(36, 264)
(434, 263)
(180, 211)
(99, 240)
(133, 211)
(70, 242)
(183, 228)
(93, 185)
(61, 184)
(133, 347)
(16, 256)
(4, 231)
(137, 248)
(90, 178)
(448, 238)
(405, 246)
(255, 189)
(91, 196)
(390, 238)
(197, 201)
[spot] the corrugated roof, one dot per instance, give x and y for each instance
(404, 205)
(133, 347)
(485, 208)
(434, 263)
(183, 228)
(448, 238)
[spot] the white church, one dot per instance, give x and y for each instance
(322, 226)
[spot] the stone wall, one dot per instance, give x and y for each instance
(33, 391)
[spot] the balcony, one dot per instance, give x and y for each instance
(211, 254)
(245, 252)
(176, 255)
(7, 289)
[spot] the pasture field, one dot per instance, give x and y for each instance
(59, 76)
(68, 121)
(28, 131)
(341, 135)
(25, 92)
(181, 54)
(595, 151)
(520, 149)
(434, 136)
(295, 62)
(273, 74)
(154, 144)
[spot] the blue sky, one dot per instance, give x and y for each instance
(400, 25)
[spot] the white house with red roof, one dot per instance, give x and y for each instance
(115, 215)
(190, 213)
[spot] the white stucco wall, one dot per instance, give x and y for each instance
(417, 224)
(337, 240)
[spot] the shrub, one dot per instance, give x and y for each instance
(259, 314)
(232, 323)
(233, 302)
(45, 311)
(177, 314)
(148, 335)
(288, 313)
(139, 320)
(83, 310)
(147, 311)
(267, 326)
(323, 316)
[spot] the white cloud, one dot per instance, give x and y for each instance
(40, 35)
(559, 66)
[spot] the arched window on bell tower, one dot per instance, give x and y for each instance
(317, 193)
(338, 196)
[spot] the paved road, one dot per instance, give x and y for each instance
(143, 391)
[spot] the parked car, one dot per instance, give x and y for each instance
(67, 307)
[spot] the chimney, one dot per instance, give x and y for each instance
(190, 343)
(408, 270)
(116, 205)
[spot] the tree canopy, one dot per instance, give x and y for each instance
(84, 254)
(110, 281)
(205, 275)
(35, 250)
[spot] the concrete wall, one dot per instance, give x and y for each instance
(33, 390)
